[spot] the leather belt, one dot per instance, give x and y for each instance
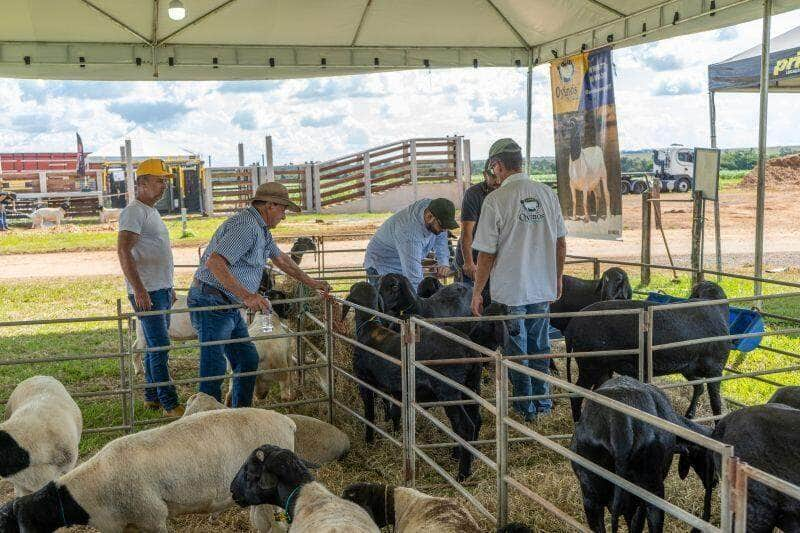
(205, 288)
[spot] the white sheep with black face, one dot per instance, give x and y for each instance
(409, 510)
(587, 173)
(40, 436)
(139, 481)
(276, 476)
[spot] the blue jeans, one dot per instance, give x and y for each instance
(3, 223)
(156, 333)
(373, 278)
(243, 357)
(532, 339)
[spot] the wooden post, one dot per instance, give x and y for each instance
(241, 154)
(467, 165)
(254, 178)
(101, 184)
(459, 155)
(209, 191)
(42, 181)
(308, 192)
(413, 165)
(270, 164)
(367, 182)
(646, 238)
(697, 237)
(316, 186)
(129, 182)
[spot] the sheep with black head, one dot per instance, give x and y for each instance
(276, 476)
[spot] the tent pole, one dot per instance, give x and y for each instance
(712, 115)
(529, 104)
(762, 146)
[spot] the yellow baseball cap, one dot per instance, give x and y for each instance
(152, 167)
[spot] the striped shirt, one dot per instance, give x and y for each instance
(245, 241)
(402, 241)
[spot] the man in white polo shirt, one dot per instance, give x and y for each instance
(145, 256)
(521, 242)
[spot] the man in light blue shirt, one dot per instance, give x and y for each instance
(404, 240)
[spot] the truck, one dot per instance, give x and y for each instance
(673, 166)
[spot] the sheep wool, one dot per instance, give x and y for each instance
(421, 513)
(319, 511)
(317, 441)
(140, 480)
(40, 436)
(314, 440)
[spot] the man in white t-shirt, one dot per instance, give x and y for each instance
(521, 240)
(145, 256)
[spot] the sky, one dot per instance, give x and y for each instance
(660, 93)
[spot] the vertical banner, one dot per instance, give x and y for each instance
(587, 149)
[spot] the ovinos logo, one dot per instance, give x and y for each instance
(566, 70)
(531, 211)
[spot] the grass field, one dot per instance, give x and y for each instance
(86, 235)
(531, 464)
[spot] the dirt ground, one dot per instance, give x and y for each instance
(781, 245)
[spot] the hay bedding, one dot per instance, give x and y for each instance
(782, 173)
(531, 464)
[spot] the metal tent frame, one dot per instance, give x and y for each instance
(764, 86)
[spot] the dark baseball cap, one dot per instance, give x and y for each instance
(502, 146)
(444, 211)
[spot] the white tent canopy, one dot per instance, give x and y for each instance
(260, 39)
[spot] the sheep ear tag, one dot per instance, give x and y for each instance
(260, 455)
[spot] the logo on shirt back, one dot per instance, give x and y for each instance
(531, 210)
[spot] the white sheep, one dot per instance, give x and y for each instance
(273, 353)
(40, 436)
(314, 440)
(109, 214)
(411, 510)
(47, 214)
(587, 173)
(276, 476)
(139, 480)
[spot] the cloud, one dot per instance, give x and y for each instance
(663, 63)
(332, 89)
(151, 114)
(254, 86)
(33, 123)
(676, 88)
(357, 138)
(81, 90)
(245, 120)
(321, 122)
(727, 34)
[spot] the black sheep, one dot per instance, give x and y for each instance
(765, 437)
(300, 247)
(385, 376)
(428, 287)
(632, 449)
(621, 332)
(577, 294)
(399, 300)
(789, 395)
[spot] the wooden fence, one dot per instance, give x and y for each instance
(53, 188)
(352, 177)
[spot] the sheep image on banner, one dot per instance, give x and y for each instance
(586, 145)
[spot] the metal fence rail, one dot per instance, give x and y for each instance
(734, 475)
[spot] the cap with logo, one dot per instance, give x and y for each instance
(152, 167)
(503, 146)
(275, 193)
(444, 211)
